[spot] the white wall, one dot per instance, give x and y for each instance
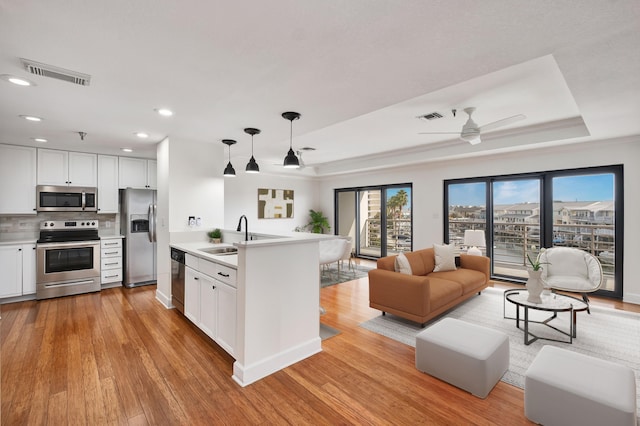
(189, 184)
(241, 197)
(428, 180)
(163, 259)
(196, 186)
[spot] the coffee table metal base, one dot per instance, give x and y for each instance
(556, 303)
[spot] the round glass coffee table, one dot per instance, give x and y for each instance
(553, 303)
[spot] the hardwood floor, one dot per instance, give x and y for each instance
(120, 357)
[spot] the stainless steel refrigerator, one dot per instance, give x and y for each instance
(138, 225)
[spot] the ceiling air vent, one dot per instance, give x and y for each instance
(51, 71)
(431, 116)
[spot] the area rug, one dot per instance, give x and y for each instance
(605, 333)
(331, 275)
(327, 332)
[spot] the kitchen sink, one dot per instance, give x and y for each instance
(220, 251)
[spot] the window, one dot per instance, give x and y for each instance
(579, 208)
(377, 218)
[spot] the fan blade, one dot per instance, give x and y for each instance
(503, 122)
(439, 133)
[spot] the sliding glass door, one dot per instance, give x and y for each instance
(520, 214)
(378, 218)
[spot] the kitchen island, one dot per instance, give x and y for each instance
(277, 297)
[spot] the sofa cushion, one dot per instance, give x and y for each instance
(417, 263)
(402, 264)
(445, 257)
(468, 279)
(442, 292)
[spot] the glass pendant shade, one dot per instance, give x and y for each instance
(229, 171)
(291, 161)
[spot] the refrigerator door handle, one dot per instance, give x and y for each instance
(155, 212)
(150, 219)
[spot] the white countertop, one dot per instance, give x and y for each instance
(18, 238)
(195, 249)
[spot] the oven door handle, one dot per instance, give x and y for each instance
(69, 244)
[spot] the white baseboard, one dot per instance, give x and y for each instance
(631, 298)
(245, 375)
(164, 299)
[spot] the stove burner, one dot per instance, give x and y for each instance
(61, 231)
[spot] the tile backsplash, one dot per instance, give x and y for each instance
(25, 225)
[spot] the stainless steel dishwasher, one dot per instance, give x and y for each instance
(177, 279)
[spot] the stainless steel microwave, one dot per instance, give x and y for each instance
(66, 198)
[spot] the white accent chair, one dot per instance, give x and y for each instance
(571, 269)
(332, 250)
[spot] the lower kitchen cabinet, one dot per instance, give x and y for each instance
(110, 261)
(18, 266)
(210, 303)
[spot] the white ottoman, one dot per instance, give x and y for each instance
(468, 356)
(563, 387)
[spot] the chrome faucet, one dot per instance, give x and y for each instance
(246, 227)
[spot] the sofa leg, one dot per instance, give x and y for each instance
(384, 313)
(479, 293)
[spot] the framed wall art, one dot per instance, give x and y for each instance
(275, 203)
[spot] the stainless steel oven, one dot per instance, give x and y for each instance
(67, 258)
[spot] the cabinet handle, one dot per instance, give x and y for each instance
(19, 249)
(223, 275)
(111, 244)
(112, 263)
(196, 278)
(213, 287)
(110, 276)
(110, 252)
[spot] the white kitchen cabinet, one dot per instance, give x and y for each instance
(110, 261)
(192, 295)
(226, 321)
(18, 179)
(28, 269)
(67, 168)
(11, 267)
(208, 306)
(18, 266)
(107, 184)
(137, 173)
(210, 300)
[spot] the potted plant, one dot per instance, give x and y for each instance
(535, 285)
(215, 236)
(318, 222)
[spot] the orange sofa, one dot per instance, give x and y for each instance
(425, 294)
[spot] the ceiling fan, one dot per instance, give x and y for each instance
(471, 131)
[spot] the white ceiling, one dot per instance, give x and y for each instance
(358, 71)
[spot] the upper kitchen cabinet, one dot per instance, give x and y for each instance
(67, 168)
(17, 179)
(107, 184)
(137, 173)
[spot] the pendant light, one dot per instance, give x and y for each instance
(291, 161)
(229, 171)
(252, 166)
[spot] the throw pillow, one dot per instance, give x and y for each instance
(445, 257)
(402, 264)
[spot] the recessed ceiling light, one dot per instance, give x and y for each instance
(40, 140)
(31, 118)
(17, 80)
(142, 135)
(127, 149)
(164, 112)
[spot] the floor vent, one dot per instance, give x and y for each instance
(432, 116)
(51, 71)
